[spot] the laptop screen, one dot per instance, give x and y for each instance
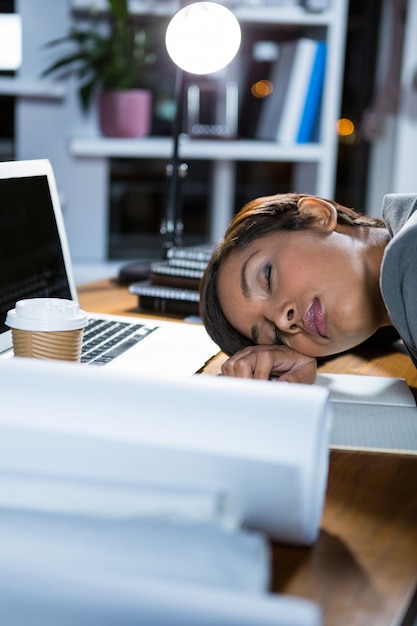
(31, 259)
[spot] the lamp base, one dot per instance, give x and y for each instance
(135, 271)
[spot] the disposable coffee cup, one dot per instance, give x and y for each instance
(47, 328)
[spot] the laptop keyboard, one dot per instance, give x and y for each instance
(105, 340)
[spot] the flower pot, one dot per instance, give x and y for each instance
(125, 113)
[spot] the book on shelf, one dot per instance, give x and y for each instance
(312, 102)
(290, 113)
(303, 94)
(272, 105)
(257, 67)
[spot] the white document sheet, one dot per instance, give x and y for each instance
(373, 413)
(62, 600)
(152, 549)
(139, 501)
(264, 446)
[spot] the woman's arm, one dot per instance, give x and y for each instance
(265, 362)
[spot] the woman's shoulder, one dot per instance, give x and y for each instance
(398, 273)
(397, 208)
(401, 252)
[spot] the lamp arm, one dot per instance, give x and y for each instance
(172, 224)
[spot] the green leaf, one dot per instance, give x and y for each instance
(119, 9)
(119, 59)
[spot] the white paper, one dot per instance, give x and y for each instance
(372, 413)
(113, 500)
(109, 601)
(265, 446)
(367, 389)
(374, 428)
(194, 553)
(122, 499)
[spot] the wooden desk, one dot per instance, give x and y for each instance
(363, 568)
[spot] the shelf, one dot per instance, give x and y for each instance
(253, 13)
(32, 88)
(295, 15)
(209, 149)
(81, 155)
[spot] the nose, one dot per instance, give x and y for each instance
(285, 318)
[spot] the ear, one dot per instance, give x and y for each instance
(324, 212)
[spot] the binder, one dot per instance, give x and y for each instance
(166, 299)
(313, 97)
(258, 66)
(201, 252)
(273, 104)
(302, 98)
(170, 275)
(173, 285)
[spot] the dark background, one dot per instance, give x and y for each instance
(138, 187)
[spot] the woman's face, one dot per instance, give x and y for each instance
(311, 288)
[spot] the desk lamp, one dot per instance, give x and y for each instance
(202, 38)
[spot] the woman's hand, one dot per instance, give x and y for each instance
(264, 362)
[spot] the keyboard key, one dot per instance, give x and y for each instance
(104, 340)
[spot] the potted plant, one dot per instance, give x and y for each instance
(117, 62)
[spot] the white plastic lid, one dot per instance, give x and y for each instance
(46, 314)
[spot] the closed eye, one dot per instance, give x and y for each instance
(268, 272)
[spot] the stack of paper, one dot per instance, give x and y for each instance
(139, 500)
(372, 413)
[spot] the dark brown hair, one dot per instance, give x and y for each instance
(259, 218)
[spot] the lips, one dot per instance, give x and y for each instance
(314, 320)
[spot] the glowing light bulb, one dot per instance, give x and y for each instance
(203, 37)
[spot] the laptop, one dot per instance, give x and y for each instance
(35, 262)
